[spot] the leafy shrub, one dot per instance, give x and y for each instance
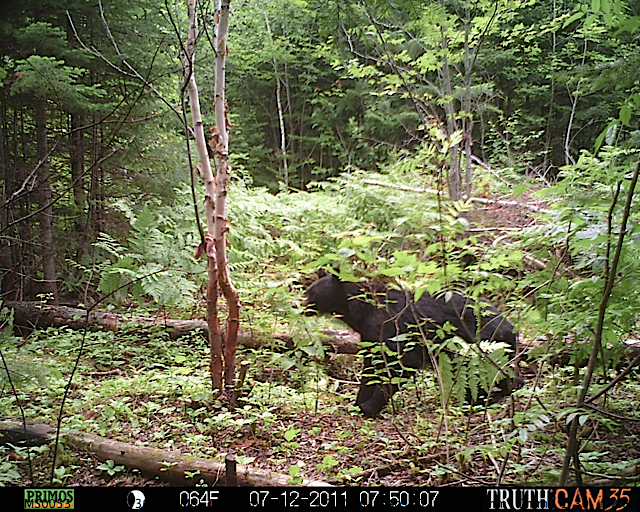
(578, 241)
(157, 260)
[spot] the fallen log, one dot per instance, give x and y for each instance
(481, 200)
(35, 315)
(169, 466)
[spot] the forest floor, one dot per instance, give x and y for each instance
(316, 432)
(338, 446)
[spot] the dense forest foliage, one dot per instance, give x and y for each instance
(489, 148)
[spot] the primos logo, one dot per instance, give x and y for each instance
(49, 498)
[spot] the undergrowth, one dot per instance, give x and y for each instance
(296, 413)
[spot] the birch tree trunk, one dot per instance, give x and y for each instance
(283, 138)
(213, 322)
(221, 151)
(216, 188)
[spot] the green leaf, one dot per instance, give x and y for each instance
(446, 371)
(291, 434)
(328, 460)
(393, 271)
(520, 188)
(294, 470)
(625, 114)
(523, 434)
(572, 18)
(362, 240)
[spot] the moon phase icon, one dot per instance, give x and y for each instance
(135, 500)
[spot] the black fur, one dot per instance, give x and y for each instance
(381, 314)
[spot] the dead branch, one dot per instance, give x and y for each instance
(481, 200)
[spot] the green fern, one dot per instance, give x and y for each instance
(23, 371)
(445, 367)
(469, 370)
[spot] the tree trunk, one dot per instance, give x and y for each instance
(8, 275)
(454, 176)
(33, 315)
(574, 98)
(221, 150)
(46, 216)
(215, 339)
(547, 161)
(283, 137)
(95, 222)
(13, 281)
(215, 203)
(467, 120)
(76, 159)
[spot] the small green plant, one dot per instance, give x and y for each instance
(327, 464)
(110, 467)
(61, 474)
(8, 473)
(295, 474)
(289, 445)
(156, 262)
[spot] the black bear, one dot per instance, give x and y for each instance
(379, 314)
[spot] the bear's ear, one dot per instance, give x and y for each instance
(333, 272)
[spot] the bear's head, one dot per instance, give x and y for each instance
(326, 295)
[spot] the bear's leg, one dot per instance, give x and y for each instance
(415, 357)
(505, 387)
(366, 389)
(373, 395)
(379, 398)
